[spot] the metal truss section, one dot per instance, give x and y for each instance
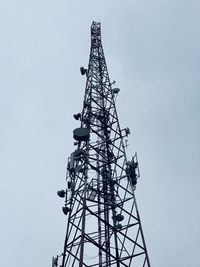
(103, 223)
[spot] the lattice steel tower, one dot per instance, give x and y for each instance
(103, 223)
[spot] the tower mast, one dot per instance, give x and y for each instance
(103, 223)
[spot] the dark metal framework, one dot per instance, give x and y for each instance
(103, 223)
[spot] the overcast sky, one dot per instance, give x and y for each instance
(152, 51)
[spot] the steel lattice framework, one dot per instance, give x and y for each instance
(103, 223)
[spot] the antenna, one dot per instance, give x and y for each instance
(103, 223)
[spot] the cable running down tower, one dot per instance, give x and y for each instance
(103, 223)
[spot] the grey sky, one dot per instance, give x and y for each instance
(152, 51)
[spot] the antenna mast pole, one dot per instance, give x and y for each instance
(103, 223)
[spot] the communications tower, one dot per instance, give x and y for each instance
(103, 224)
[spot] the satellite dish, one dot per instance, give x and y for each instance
(61, 193)
(81, 134)
(115, 90)
(77, 116)
(65, 210)
(119, 226)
